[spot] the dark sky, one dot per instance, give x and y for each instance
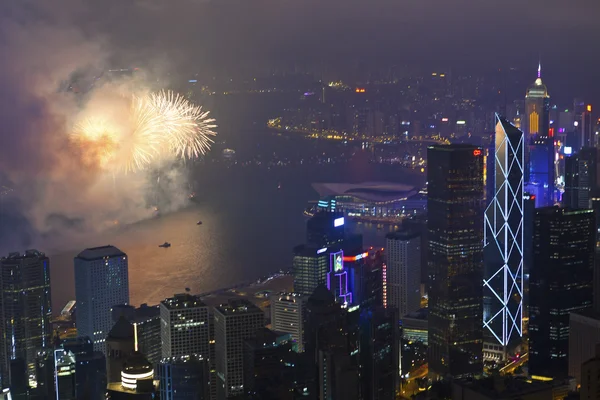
(234, 35)
(231, 32)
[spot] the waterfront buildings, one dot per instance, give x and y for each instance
(101, 282)
(455, 224)
(287, 316)
(372, 199)
(185, 326)
(235, 322)
(560, 283)
(503, 238)
(403, 254)
(25, 312)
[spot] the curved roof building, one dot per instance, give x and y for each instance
(378, 192)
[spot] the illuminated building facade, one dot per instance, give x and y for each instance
(235, 322)
(137, 380)
(310, 267)
(101, 282)
(337, 278)
(503, 238)
(184, 326)
(64, 375)
(25, 310)
(584, 125)
(287, 316)
(366, 278)
(539, 143)
(403, 274)
(561, 282)
(455, 224)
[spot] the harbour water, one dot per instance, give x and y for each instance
(249, 227)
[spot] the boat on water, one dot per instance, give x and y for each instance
(279, 186)
(199, 223)
(165, 245)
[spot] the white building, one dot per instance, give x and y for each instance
(403, 274)
(287, 312)
(184, 326)
(234, 322)
(101, 282)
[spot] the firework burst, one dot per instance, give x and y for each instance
(160, 125)
(187, 129)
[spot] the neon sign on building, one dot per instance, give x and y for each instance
(337, 278)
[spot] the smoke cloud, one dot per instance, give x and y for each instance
(57, 195)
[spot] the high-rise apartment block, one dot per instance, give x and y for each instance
(101, 282)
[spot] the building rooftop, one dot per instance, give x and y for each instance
(402, 235)
(238, 306)
(505, 387)
(32, 253)
(182, 300)
(122, 329)
(454, 147)
(369, 191)
(98, 253)
(421, 313)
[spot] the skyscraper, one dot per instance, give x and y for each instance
(310, 267)
(560, 283)
(584, 125)
(539, 143)
(184, 326)
(325, 228)
(582, 180)
(503, 238)
(455, 224)
(287, 316)
(403, 254)
(235, 322)
(101, 282)
(25, 310)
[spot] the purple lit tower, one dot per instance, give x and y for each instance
(337, 278)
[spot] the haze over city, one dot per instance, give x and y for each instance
(401, 195)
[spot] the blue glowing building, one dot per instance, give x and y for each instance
(539, 139)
